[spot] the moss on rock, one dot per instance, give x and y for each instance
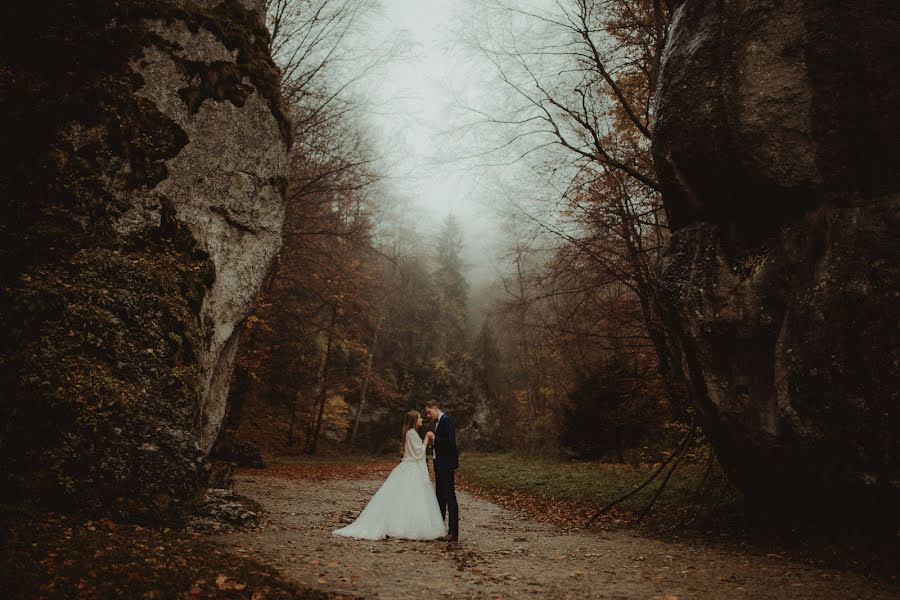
(99, 361)
(107, 385)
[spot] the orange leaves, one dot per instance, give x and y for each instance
(225, 583)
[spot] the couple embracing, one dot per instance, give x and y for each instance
(406, 505)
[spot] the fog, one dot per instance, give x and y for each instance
(414, 111)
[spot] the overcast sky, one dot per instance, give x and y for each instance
(414, 100)
(414, 108)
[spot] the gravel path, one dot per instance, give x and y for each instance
(503, 554)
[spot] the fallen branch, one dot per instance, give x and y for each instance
(678, 450)
(699, 493)
(710, 461)
(665, 481)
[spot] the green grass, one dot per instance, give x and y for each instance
(593, 484)
(568, 492)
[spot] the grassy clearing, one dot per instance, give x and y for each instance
(572, 491)
(49, 555)
(567, 493)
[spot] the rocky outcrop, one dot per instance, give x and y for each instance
(458, 385)
(225, 185)
(775, 139)
(142, 205)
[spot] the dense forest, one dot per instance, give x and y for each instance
(679, 283)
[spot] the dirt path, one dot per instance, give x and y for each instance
(506, 555)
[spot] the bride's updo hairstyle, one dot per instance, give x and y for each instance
(409, 422)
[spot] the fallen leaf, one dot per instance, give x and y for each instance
(223, 583)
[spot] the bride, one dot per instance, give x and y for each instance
(405, 505)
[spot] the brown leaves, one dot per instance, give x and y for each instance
(53, 555)
(224, 583)
(316, 471)
(563, 513)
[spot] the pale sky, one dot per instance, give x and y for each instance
(413, 105)
(414, 99)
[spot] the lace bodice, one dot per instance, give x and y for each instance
(414, 450)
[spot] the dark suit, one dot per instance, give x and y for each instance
(446, 461)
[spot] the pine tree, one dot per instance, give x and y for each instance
(452, 287)
(449, 274)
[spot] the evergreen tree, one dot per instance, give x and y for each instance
(453, 289)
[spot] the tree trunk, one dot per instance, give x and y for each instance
(620, 447)
(323, 389)
(526, 359)
(365, 385)
(293, 421)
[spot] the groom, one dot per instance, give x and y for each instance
(446, 461)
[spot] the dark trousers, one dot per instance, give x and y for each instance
(445, 490)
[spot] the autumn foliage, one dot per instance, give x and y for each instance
(590, 364)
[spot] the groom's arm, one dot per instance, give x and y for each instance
(445, 437)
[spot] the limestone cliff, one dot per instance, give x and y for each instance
(776, 141)
(142, 200)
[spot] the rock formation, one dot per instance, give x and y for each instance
(776, 141)
(143, 200)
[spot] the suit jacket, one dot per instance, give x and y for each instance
(445, 450)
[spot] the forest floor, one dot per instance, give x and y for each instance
(505, 552)
(54, 555)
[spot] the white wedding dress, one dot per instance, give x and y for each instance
(405, 505)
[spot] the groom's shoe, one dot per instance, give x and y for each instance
(450, 537)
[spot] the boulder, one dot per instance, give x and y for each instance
(775, 138)
(143, 203)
